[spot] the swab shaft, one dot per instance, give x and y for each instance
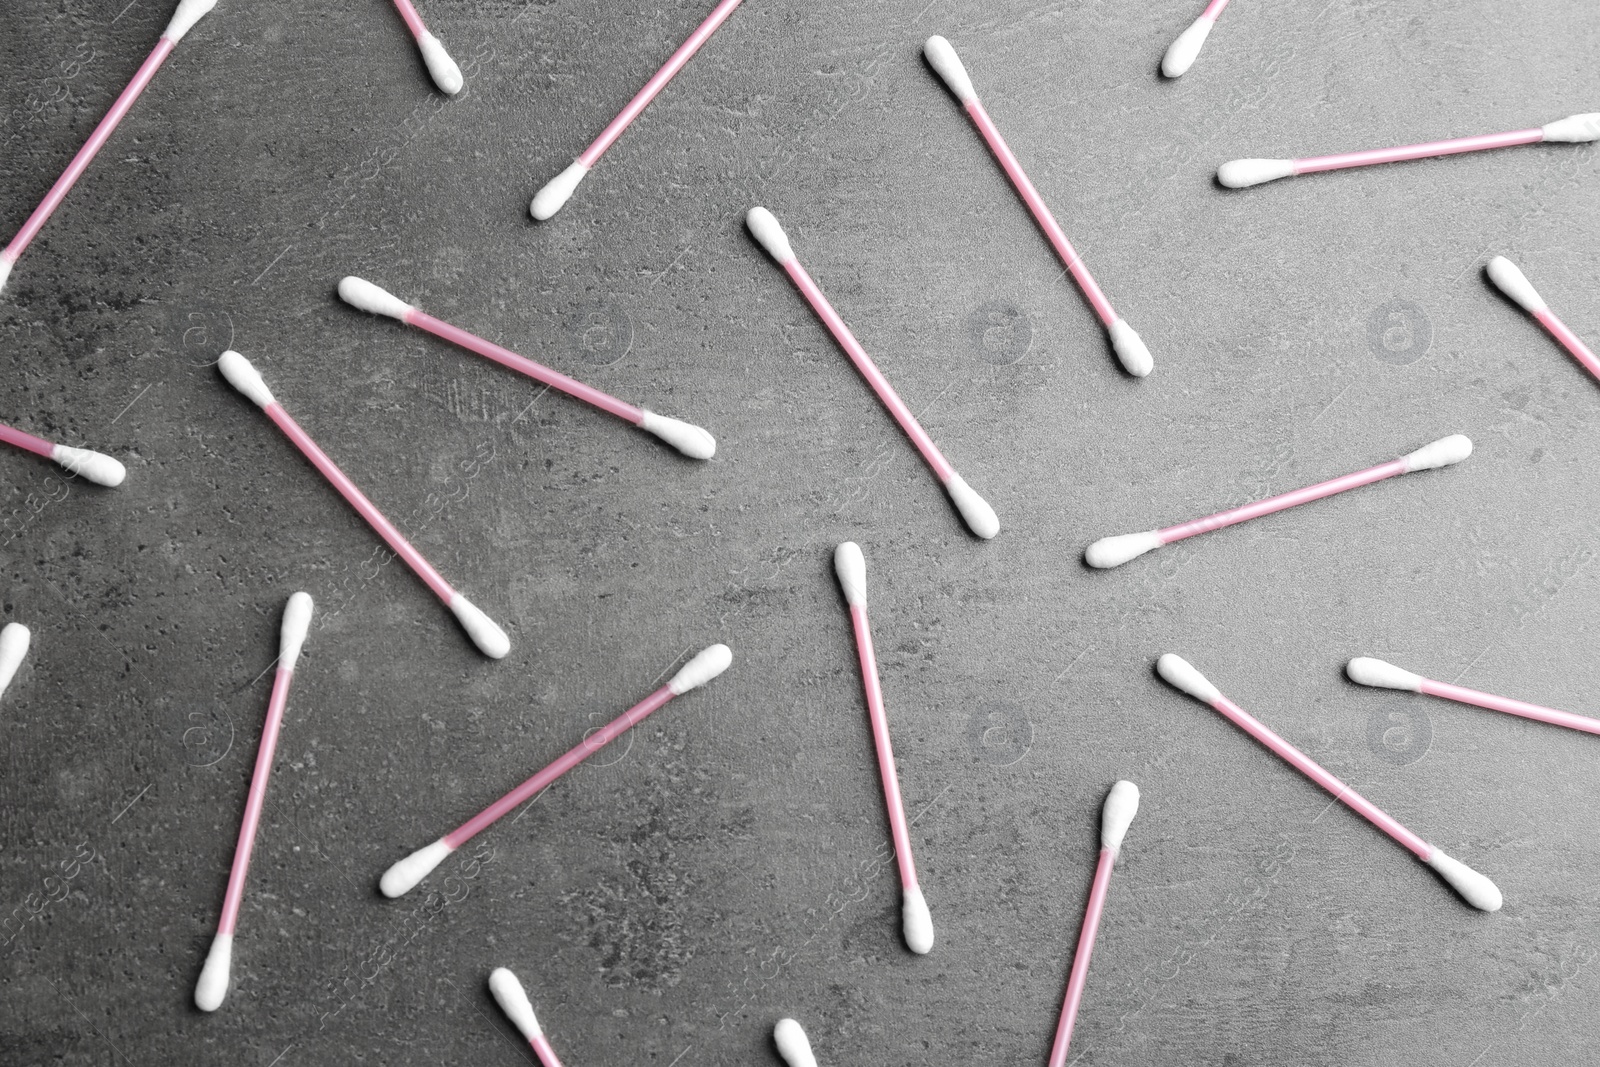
(1080, 960)
(541, 1048)
(1213, 9)
(1569, 340)
(252, 805)
(1314, 164)
(880, 738)
(1282, 501)
(1511, 707)
(26, 441)
(413, 21)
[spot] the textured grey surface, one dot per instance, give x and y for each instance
(726, 864)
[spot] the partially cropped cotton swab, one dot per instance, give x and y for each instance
(446, 75)
(513, 1000)
(1117, 550)
(916, 922)
(1125, 340)
(1240, 173)
(490, 639)
(793, 1045)
(1474, 888)
(1510, 280)
(1182, 53)
(213, 985)
(95, 466)
(689, 439)
(14, 640)
(1122, 803)
(188, 13)
(979, 516)
(403, 876)
(1375, 672)
(559, 189)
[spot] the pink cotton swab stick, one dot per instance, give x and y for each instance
(1375, 672)
(1125, 340)
(1122, 803)
(404, 875)
(1182, 53)
(490, 639)
(95, 466)
(916, 922)
(979, 516)
(513, 1000)
(14, 641)
(212, 988)
(1241, 173)
(1510, 280)
(1474, 888)
(1115, 551)
(189, 12)
(558, 190)
(687, 438)
(446, 75)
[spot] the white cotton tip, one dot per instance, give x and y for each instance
(792, 1044)
(916, 922)
(446, 75)
(700, 670)
(686, 437)
(765, 228)
(557, 191)
(1130, 349)
(513, 1000)
(851, 567)
(1474, 888)
(189, 12)
(243, 376)
(1115, 551)
(1510, 280)
(95, 466)
(1182, 53)
(360, 293)
(403, 877)
(212, 987)
(1364, 670)
(1121, 805)
(5, 270)
(14, 640)
(1584, 127)
(296, 624)
(1180, 673)
(485, 633)
(943, 59)
(1242, 173)
(979, 516)
(1441, 453)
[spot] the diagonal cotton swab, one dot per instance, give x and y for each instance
(213, 985)
(1510, 280)
(558, 190)
(1125, 340)
(1474, 888)
(95, 466)
(1117, 550)
(1182, 53)
(687, 438)
(979, 516)
(446, 75)
(793, 1045)
(14, 639)
(1122, 803)
(404, 875)
(916, 922)
(1377, 673)
(1241, 173)
(490, 639)
(513, 1000)
(189, 12)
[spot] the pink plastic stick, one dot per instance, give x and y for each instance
(1569, 340)
(1213, 9)
(869, 370)
(624, 119)
(358, 500)
(542, 1049)
(582, 751)
(27, 442)
(1313, 164)
(523, 365)
(1080, 961)
(880, 737)
(1285, 500)
(252, 806)
(413, 20)
(1509, 706)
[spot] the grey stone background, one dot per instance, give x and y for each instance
(727, 863)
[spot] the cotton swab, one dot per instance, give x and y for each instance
(446, 75)
(1182, 53)
(95, 466)
(490, 639)
(14, 640)
(689, 439)
(1474, 888)
(1375, 672)
(1125, 340)
(513, 1000)
(558, 190)
(1122, 803)
(213, 985)
(1115, 551)
(1510, 280)
(1241, 173)
(404, 875)
(189, 12)
(979, 516)
(792, 1044)
(916, 922)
